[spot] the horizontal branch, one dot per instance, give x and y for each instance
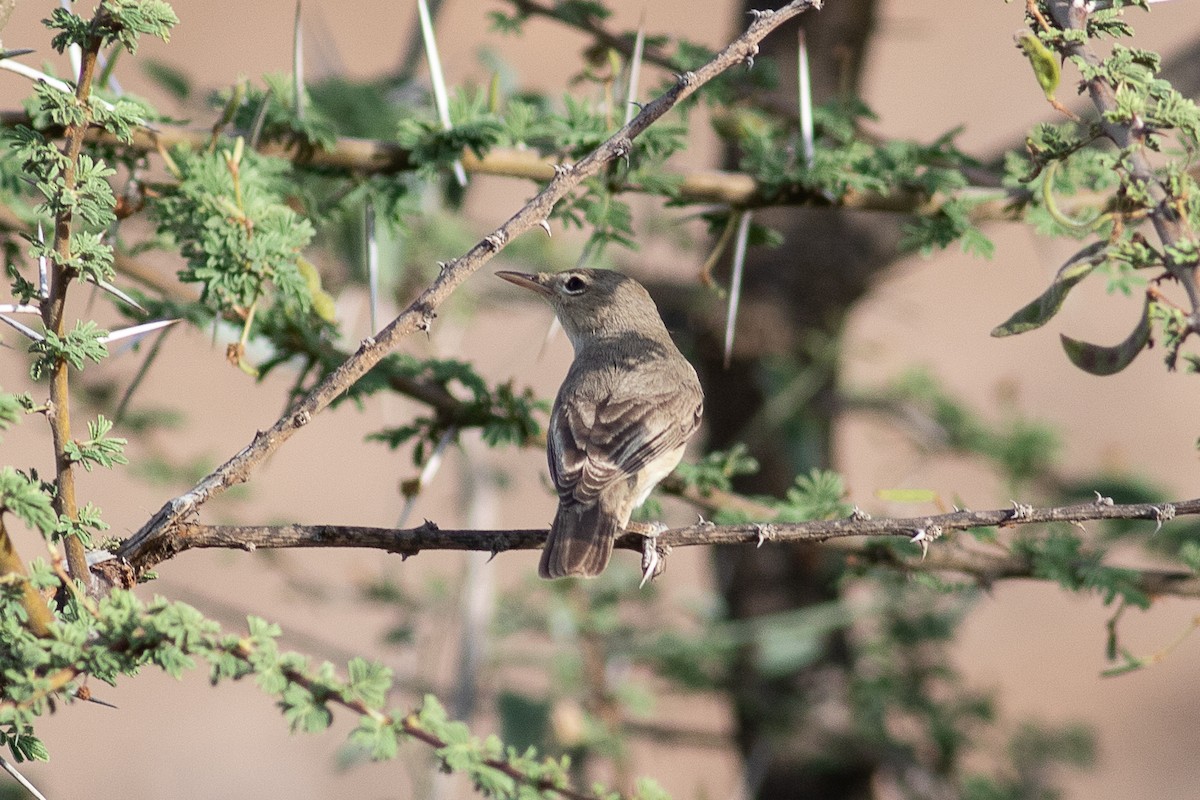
(376, 156)
(985, 566)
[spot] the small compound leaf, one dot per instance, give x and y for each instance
(1099, 360)
(1039, 312)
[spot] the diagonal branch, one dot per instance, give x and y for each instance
(420, 314)
(985, 566)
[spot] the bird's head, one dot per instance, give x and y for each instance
(593, 303)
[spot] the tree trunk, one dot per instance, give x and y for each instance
(794, 732)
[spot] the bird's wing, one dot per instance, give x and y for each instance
(595, 441)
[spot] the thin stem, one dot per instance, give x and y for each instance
(53, 317)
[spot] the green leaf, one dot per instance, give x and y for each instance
(369, 682)
(1041, 310)
(25, 498)
(1100, 360)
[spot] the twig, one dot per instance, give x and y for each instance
(169, 542)
(421, 313)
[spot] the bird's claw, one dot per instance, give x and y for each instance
(652, 558)
(924, 536)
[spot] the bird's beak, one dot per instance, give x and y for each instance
(524, 279)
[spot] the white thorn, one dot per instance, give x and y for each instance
(735, 282)
(30, 332)
(43, 268)
(117, 293)
(137, 330)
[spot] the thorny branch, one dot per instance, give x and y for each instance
(421, 312)
(985, 566)
(410, 724)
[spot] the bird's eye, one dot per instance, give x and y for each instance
(574, 285)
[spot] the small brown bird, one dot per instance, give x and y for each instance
(623, 414)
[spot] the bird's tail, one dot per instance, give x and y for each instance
(580, 543)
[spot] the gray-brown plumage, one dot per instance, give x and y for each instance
(626, 409)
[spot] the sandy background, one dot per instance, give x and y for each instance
(935, 65)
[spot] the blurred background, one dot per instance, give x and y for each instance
(924, 67)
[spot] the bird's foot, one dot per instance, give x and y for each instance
(652, 558)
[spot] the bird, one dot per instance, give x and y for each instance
(622, 417)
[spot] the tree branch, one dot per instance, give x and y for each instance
(12, 570)
(168, 542)
(1171, 226)
(368, 156)
(420, 314)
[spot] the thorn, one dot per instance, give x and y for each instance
(85, 694)
(765, 533)
(804, 100)
(562, 169)
(372, 243)
(43, 268)
(495, 240)
(635, 68)
(27, 331)
(858, 515)
(1101, 500)
(117, 293)
(21, 779)
(750, 58)
(735, 282)
(545, 225)
(137, 330)
(496, 550)
(757, 14)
